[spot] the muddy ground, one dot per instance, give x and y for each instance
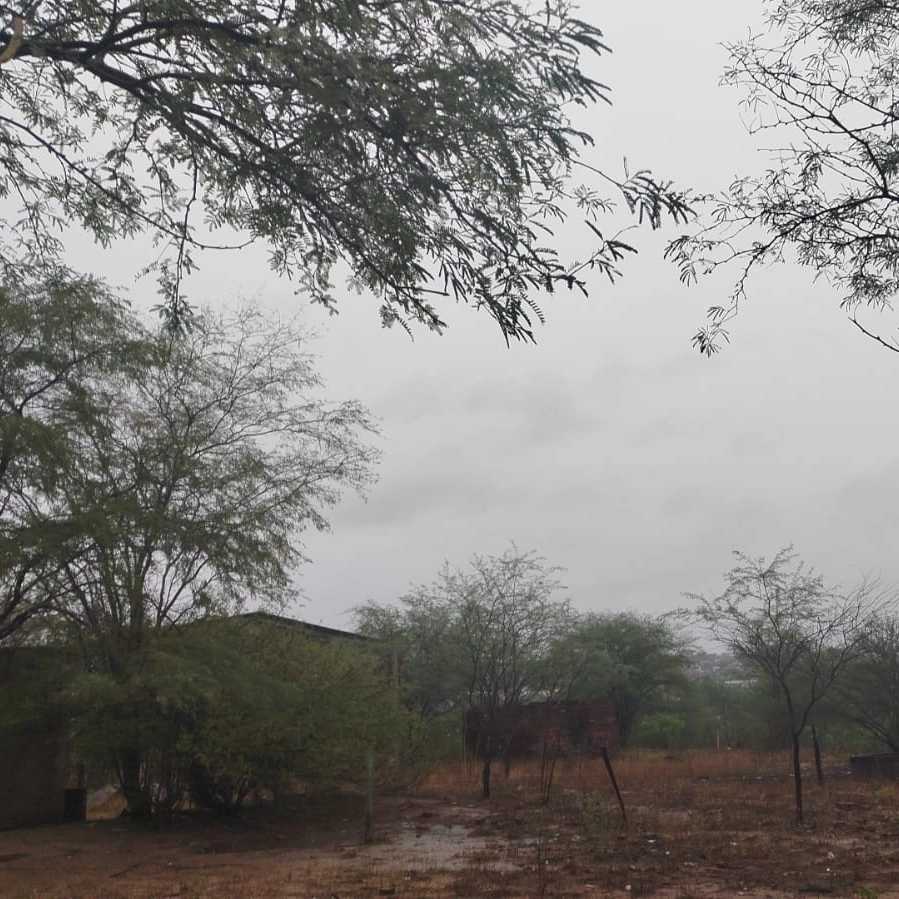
(694, 829)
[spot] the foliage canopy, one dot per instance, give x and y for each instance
(147, 479)
(820, 84)
(228, 705)
(637, 662)
(64, 342)
(424, 144)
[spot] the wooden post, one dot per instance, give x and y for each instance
(552, 749)
(817, 747)
(608, 761)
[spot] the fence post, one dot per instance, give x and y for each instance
(608, 761)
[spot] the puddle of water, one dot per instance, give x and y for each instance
(447, 846)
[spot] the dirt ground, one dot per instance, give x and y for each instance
(699, 825)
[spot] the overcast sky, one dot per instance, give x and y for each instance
(611, 447)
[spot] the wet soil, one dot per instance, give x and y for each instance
(685, 837)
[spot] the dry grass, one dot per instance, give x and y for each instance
(700, 824)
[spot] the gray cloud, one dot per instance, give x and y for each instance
(611, 447)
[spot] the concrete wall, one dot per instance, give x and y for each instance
(875, 764)
(34, 772)
(34, 762)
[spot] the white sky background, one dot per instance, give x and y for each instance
(611, 447)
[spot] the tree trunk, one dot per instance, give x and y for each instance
(137, 797)
(819, 771)
(369, 828)
(485, 778)
(797, 778)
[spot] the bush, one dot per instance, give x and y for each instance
(224, 706)
(663, 730)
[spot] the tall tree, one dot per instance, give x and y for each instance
(492, 626)
(63, 341)
(790, 629)
(423, 144)
(197, 472)
(820, 84)
(215, 456)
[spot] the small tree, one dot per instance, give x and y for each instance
(492, 627)
(788, 627)
(637, 662)
(869, 694)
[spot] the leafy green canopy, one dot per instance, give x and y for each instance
(820, 84)
(637, 662)
(64, 343)
(869, 694)
(231, 704)
(208, 466)
(423, 143)
(475, 637)
(146, 479)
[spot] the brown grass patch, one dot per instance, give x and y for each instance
(700, 824)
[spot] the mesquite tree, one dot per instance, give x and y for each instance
(188, 482)
(478, 639)
(819, 86)
(424, 146)
(788, 627)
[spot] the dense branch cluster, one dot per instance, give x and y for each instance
(146, 479)
(424, 144)
(821, 84)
